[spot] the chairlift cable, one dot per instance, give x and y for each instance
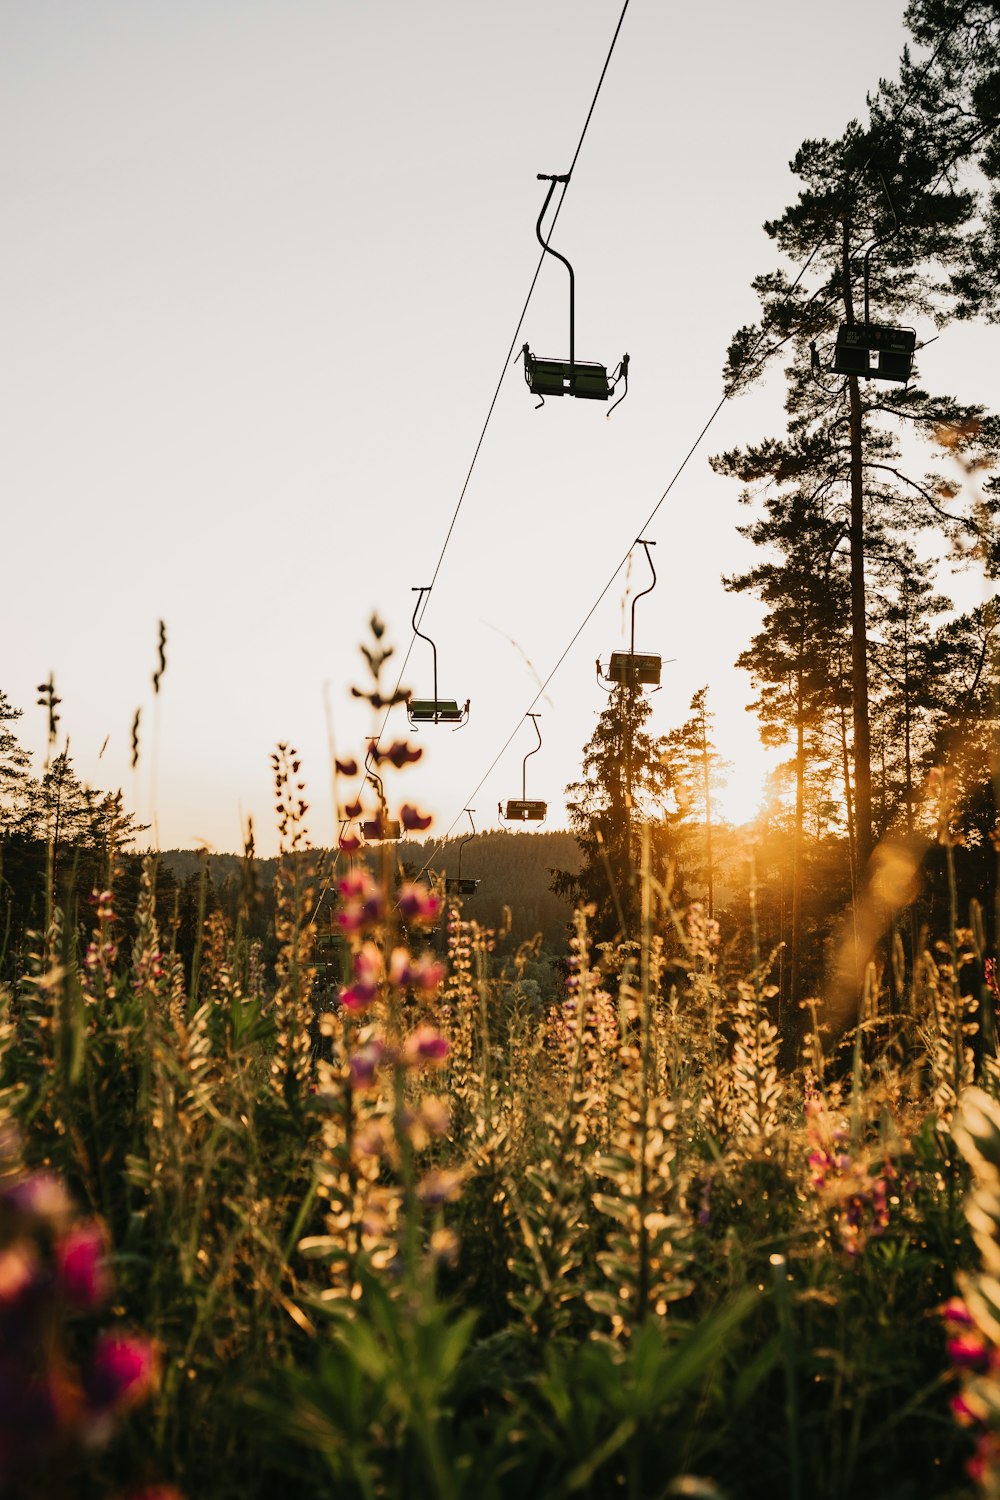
(496, 394)
(727, 393)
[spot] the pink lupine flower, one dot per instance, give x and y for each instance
(413, 820)
(427, 973)
(18, 1273)
(956, 1313)
(969, 1352)
(364, 1064)
(346, 767)
(439, 1186)
(82, 1273)
(357, 885)
(357, 997)
(424, 973)
(399, 753)
(425, 1045)
(399, 968)
(122, 1372)
(962, 1411)
(363, 903)
(43, 1195)
(352, 810)
(418, 904)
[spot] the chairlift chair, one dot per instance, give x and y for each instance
(456, 885)
(569, 377)
(434, 710)
(873, 351)
(521, 810)
(633, 668)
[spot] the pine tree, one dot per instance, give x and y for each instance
(697, 774)
(625, 784)
(872, 190)
(14, 763)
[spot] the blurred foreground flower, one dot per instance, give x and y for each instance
(57, 1401)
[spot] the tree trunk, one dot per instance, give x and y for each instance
(707, 775)
(859, 622)
(799, 832)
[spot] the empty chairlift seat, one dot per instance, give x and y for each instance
(634, 669)
(520, 811)
(433, 710)
(557, 377)
(875, 351)
(436, 711)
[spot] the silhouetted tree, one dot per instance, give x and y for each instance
(625, 785)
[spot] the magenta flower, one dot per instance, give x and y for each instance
(82, 1274)
(18, 1273)
(358, 885)
(412, 820)
(425, 1045)
(122, 1372)
(427, 973)
(364, 1064)
(368, 964)
(969, 1352)
(43, 1195)
(346, 767)
(399, 753)
(349, 842)
(424, 973)
(956, 1313)
(418, 903)
(357, 997)
(352, 810)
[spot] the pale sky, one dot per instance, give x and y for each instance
(260, 267)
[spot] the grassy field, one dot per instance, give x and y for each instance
(438, 1239)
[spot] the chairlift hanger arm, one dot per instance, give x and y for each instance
(468, 836)
(524, 765)
(646, 546)
(879, 239)
(420, 592)
(552, 181)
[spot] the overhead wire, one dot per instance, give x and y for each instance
(376, 740)
(740, 376)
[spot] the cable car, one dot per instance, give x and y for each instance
(633, 668)
(569, 377)
(434, 710)
(521, 810)
(381, 829)
(457, 885)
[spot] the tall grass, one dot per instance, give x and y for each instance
(435, 1240)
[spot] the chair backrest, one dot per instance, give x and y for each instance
(634, 667)
(525, 812)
